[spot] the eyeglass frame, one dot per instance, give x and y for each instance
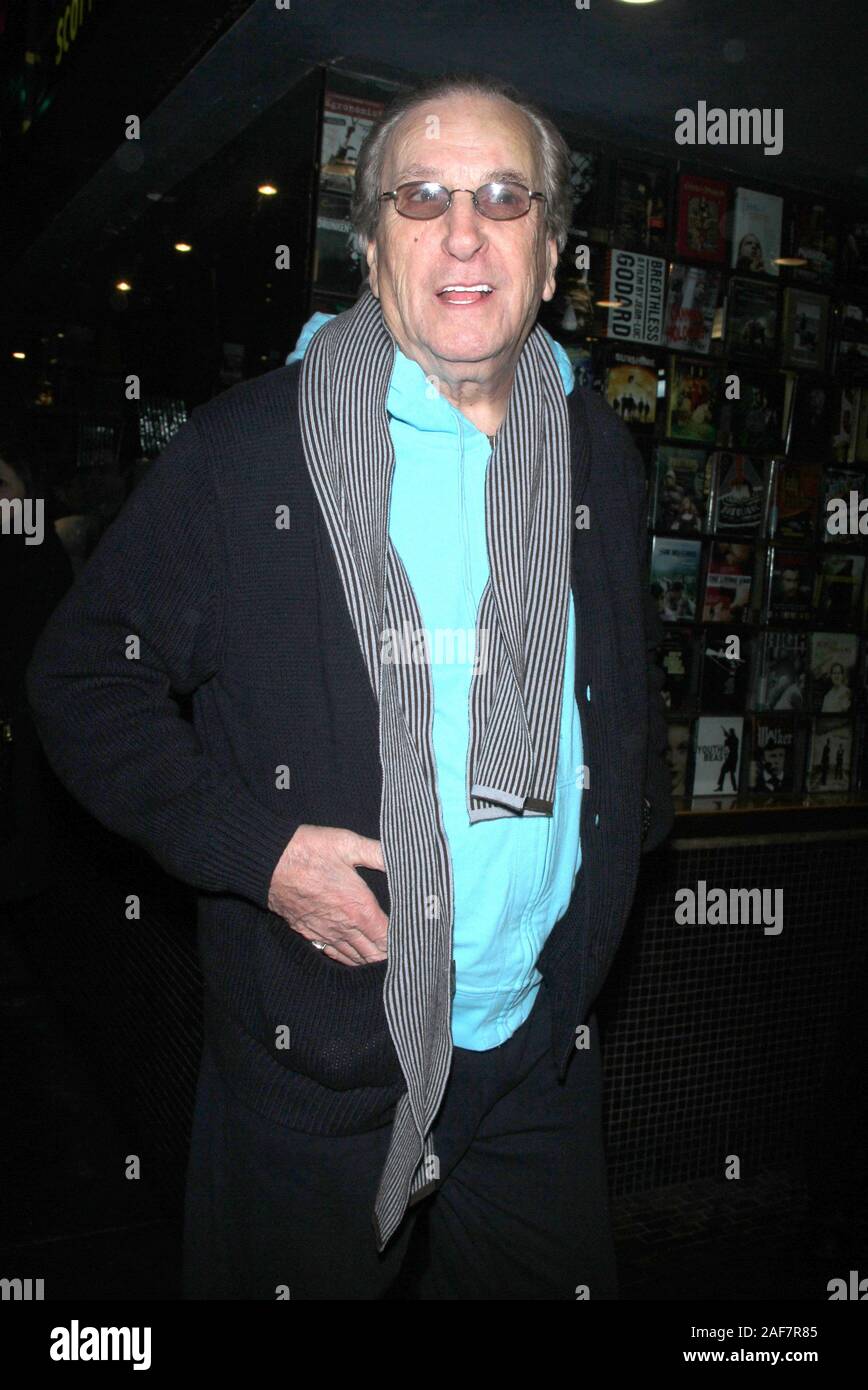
(432, 183)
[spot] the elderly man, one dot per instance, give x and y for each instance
(403, 580)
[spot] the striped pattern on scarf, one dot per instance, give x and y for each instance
(516, 693)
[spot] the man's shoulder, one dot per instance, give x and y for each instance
(252, 407)
(612, 443)
(603, 421)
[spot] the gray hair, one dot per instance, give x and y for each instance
(554, 155)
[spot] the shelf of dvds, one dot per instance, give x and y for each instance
(745, 387)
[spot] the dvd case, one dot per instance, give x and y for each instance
(677, 656)
(751, 318)
(753, 421)
(739, 488)
(830, 758)
(679, 738)
(691, 301)
(756, 231)
(631, 388)
(717, 754)
(726, 662)
(681, 489)
(795, 504)
(832, 671)
(675, 577)
(776, 755)
(838, 588)
(692, 400)
(789, 585)
(728, 582)
(702, 218)
(812, 419)
(844, 493)
(781, 672)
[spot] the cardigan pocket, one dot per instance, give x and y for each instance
(331, 1014)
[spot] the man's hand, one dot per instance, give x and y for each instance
(316, 890)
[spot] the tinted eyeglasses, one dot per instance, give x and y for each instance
(499, 201)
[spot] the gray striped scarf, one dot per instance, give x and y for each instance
(515, 696)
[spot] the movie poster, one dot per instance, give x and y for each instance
(677, 754)
(677, 658)
(751, 318)
(782, 672)
(701, 218)
(675, 577)
(725, 672)
(682, 487)
(739, 493)
(693, 400)
(789, 585)
(774, 763)
(833, 657)
(690, 304)
(756, 233)
(812, 237)
(831, 754)
(728, 583)
(795, 505)
(717, 762)
(635, 289)
(641, 198)
(338, 266)
(631, 388)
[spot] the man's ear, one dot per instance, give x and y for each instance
(371, 258)
(551, 268)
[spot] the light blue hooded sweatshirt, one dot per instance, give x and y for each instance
(512, 876)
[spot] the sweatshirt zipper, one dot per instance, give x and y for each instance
(465, 539)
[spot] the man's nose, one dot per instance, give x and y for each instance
(465, 227)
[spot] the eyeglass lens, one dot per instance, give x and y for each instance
(500, 201)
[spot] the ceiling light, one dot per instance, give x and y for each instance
(124, 286)
(19, 355)
(267, 190)
(183, 246)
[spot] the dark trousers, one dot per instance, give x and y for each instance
(521, 1211)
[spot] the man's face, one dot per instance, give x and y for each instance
(473, 336)
(790, 583)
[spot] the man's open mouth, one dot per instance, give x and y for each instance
(465, 294)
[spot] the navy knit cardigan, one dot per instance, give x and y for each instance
(217, 580)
